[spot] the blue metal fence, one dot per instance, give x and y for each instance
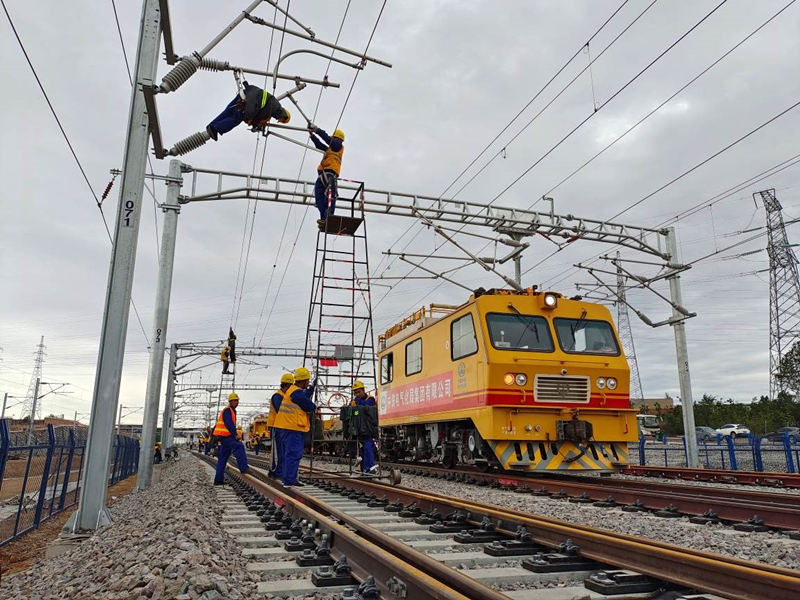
(740, 454)
(41, 478)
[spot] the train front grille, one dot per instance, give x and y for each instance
(554, 388)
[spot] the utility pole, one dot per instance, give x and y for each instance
(119, 419)
(160, 318)
(167, 427)
(92, 512)
(3, 413)
(75, 420)
(682, 353)
(33, 411)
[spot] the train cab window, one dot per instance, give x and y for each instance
(462, 337)
(387, 368)
(511, 331)
(414, 357)
(584, 336)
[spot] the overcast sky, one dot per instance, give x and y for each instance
(461, 71)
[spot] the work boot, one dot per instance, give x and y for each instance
(212, 132)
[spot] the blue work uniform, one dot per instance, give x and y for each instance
(228, 444)
(257, 106)
(327, 172)
(290, 441)
(368, 458)
(276, 467)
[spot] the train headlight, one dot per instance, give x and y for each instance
(509, 379)
(611, 383)
(521, 379)
(550, 300)
(601, 382)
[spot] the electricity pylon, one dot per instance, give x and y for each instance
(626, 336)
(28, 405)
(784, 291)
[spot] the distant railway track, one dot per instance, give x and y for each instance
(753, 509)
(766, 478)
(370, 512)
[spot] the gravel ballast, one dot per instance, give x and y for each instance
(164, 542)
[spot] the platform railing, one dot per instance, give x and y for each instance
(41, 477)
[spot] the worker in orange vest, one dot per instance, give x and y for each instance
(328, 170)
(287, 379)
(292, 423)
(230, 440)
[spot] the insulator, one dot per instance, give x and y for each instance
(180, 73)
(193, 142)
(212, 64)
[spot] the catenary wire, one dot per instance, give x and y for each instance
(519, 113)
(594, 112)
(72, 150)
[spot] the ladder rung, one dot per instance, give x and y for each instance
(331, 331)
(320, 302)
(344, 316)
(337, 287)
(353, 345)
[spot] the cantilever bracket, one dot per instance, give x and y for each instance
(148, 91)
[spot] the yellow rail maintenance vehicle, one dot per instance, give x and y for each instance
(258, 433)
(520, 380)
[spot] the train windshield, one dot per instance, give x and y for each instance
(519, 332)
(584, 336)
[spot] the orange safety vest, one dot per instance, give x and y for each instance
(272, 413)
(224, 354)
(291, 416)
(331, 161)
(220, 430)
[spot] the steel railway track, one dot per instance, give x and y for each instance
(361, 508)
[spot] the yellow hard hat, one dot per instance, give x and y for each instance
(233, 396)
(302, 374)
(287, 118)
(338, 134)
(358, 385)
(287, 378)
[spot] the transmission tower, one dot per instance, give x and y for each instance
(784, 291)
(626, 336)
(38, 359)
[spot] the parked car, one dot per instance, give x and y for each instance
(704, 433)
(793, 433)
(733, 430)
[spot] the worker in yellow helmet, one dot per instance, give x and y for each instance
(367, 441)
(225, 357)
(254, 106)
(327, 171)
(275, 465)
(230, 440)
(291, 424)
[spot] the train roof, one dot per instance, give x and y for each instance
(434, 312)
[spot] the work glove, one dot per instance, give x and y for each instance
(311, 127)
